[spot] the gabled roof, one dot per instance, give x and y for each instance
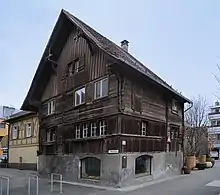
(19, 115)
(113, 50)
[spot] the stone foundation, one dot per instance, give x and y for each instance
(111, 172)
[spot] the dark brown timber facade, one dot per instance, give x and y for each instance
(102, 114)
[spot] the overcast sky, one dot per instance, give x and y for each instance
(178, 40)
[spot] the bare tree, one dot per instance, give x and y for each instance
(196, 136)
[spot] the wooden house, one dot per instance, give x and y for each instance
(103, 115)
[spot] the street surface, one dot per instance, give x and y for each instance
(204, 182)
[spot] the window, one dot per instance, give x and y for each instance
(90, 168)
(174, 106)
(77, 66)
(101, 88)
(102, 128)
(143, 165)
(85, 130)
(28, 131)
(2, 125)
(213, 123)
(217, 110)
(80, 96)
(51, 107)
(144, 128)
(70, 69)
(218, 136)
(93, 129)
(14, 132)
(51, 135)
(77, 131)
(218, 122)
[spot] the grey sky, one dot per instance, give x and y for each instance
(178, 40)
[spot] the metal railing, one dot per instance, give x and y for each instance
(30, 178)
(4, 178)
(52, 182)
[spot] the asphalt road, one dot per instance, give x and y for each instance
(205, 182)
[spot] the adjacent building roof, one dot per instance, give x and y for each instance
(19, 115)
(110, 48)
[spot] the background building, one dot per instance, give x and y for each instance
(23, 140)
(214, 128)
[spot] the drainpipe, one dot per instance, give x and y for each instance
(183, 125)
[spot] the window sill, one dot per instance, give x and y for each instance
(79, 105)
(100, 98)
(87, 138)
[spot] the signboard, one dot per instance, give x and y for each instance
(113, 151)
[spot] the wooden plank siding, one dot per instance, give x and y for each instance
(130, 101)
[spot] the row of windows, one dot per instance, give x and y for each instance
(100, 90)
(94, 129)
(28, 131)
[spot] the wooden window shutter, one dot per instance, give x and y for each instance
(11, 132)
(89, 92)
(18, 132)
(32, 128)
(82, 63)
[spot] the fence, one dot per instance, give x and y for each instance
(52, 182)
(33, 184)
(30, 178)
(2, 190)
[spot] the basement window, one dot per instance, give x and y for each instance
(90, 168)
(143, 165)
(80, 96)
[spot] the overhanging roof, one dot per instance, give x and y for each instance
(104, 44)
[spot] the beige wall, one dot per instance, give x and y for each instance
(25, 147)
(28, 154)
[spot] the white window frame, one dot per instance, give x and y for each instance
(83, 89)
(77, 130)
(85, 130)
(51, 107)
(102, 128)
(49, 134)
(143, 128)
(14, 132)
(101, 88)
(28, 130)
(174, 106)
(93, 129)
(76, 65)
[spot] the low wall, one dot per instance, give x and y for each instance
(111, 172)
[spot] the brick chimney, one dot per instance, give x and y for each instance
(124, 45)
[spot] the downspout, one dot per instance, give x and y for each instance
(119, 92)
(9, 127)
(183, 125)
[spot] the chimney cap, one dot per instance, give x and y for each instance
(124, 42)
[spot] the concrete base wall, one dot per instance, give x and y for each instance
(111, 172)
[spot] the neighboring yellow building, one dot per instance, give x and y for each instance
(3, 135)
(23, 140)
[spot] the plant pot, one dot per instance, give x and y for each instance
(186, 170)
(208, 164)
(202, 159)
(200, 166)
(190, 162)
